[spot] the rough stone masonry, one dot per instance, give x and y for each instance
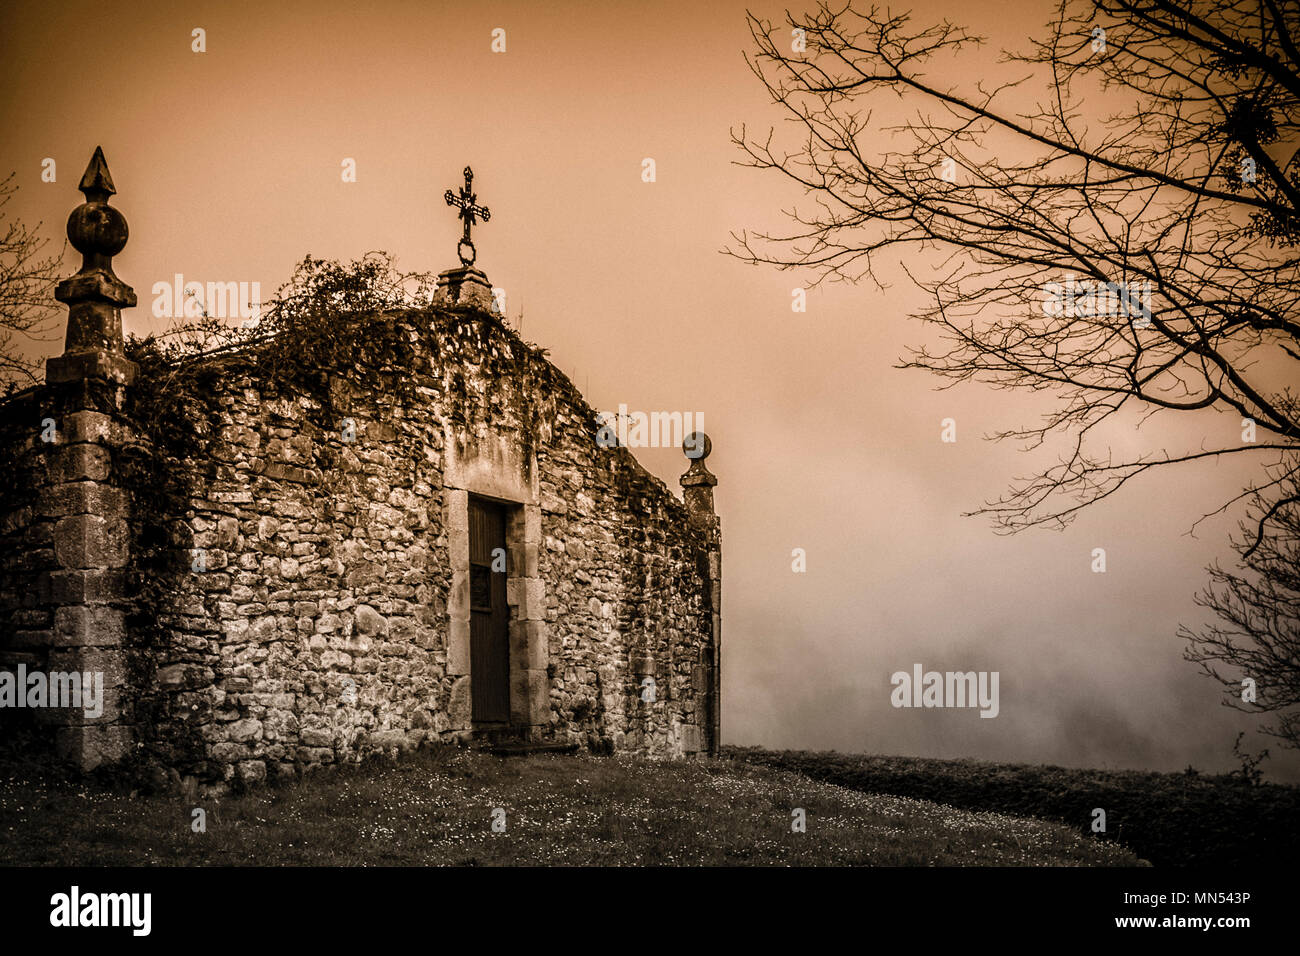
(292, 586)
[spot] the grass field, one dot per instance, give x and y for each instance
(436, 808)
(1171, 819)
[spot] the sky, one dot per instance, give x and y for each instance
(228, 165)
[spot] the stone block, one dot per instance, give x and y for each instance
(458, 549)
(109, 661)
(524, 559)
(227, 752)
(227, 532)
(316, 737)
(460, 708)
(528, 644)
(184, 676)
(700, 679)
(532, 525)
(387, 739)
(26, 640)
(458, 644)
(456, 511)
(88, 426)
(111, 366)
(106, 708)
(369, 622)
(91, 541)
(279, 471)
(527, 596)
(539, 697)
(245, 730)
(520, 705)
(93, 626)
(82, 497)
(92, 745)
(87, 586)
(80, 463)
(311, 756)
(690, 738)
(458, 595)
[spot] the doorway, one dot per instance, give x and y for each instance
(489, 613)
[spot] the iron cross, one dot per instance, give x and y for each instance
(469, 214)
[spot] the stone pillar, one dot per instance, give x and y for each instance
(697, 492)
(465, 287)
(456, 521)
(83, 492)
(530, 689)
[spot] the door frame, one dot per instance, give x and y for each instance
(529, 654)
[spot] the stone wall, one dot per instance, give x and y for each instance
(301, 595)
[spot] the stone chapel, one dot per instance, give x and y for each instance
(441, 552)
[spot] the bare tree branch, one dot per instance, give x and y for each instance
(27, 307)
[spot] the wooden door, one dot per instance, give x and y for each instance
(489, 660)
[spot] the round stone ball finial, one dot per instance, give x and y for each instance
(697, 446)
(97, 229)
(697, 484)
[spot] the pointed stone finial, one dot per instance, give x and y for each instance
(697, 484)
(97, 182)
(94, 296)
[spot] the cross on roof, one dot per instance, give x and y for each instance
(469, 213)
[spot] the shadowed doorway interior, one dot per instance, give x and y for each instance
(489, 613)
